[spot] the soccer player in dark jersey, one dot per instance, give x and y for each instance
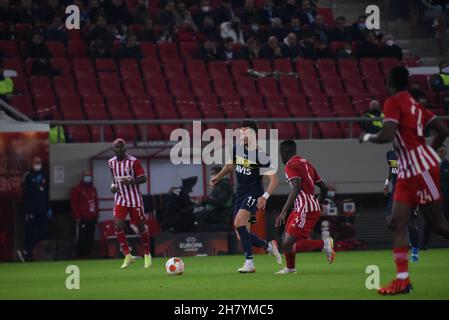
(418, 181)
(412, 227)
(248, 161)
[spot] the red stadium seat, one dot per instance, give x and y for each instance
(335, 46)
(167, 51)
(306, 69)
(354, 85)
(156, 87)
(46, 105)
(142, 108)
(95, 132)
(421, 80)
(186, 107)
(277, 106)
(109, 84)
(78, 133)
(196, 69)
(126, 131)
(218, 69)
(179, 87)
(289, 86)
(370, 68)
(310, 86)
(163, 105)
(76, 49)
(245, 86)
(149, 132)
(148, 50)
(333, 86)
(174, 69)
(386, 64)
(83, 67)
(320, 106)
(267, 87)
(129, 69)
(297, 104)
(14, 64)
(105, 65)
(342, 105)
(239, 68)
(360, 102)
(40, 85)
(23, 104)
(118, 108)
(283, 65)
(330, 130)
(70, 107)
(326, 68)
(133, 87)
(9, 48)
(307, 130)
(151, 68)
(64, 86)
(376, 85)
(201, 86)
(20, 85)
(262, 65)
(232, 106)
(208, 105)
(74, 35)
(254, 106)
(61, 64)
(223, 86)
(411, 62)
(348, 68)
(328, 15)
(188, 49)
(286, 130)
(167, 129)
(56, 49)
(95, 108)
(87, 86)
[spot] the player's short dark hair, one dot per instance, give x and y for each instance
(399, 78)
(289, 145)
(249, 124)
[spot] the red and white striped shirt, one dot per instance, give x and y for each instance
(298, 167)
(127, 196)
(415, 157)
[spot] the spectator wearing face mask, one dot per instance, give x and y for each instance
(6, 84)
(345, 52)
(290, 48)
(440, 81)
(358, 29)
(254, 31)
(233, 30)
(390, 49)
(84, 202)
(35, 186)
(204, 11)
(373, 112)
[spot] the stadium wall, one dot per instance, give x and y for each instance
(354, 168)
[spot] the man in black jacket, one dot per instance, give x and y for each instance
(35, 186)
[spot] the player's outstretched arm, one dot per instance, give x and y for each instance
(294, 191)
(386, 135)
(272, 185)
(442, 132)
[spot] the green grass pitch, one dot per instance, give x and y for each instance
(216, 278)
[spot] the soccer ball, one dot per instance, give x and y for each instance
(174, 266)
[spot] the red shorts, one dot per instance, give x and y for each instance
(420, 189)
(136, 214)
(300, 225)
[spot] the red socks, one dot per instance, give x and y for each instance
(401, 259)
(290, 259)
(145, 237)
(308, 245)
(121, 237)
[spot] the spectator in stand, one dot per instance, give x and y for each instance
(187, 32)
(267, 13)
(271, 50)
(359, 30)
(320, 29)
(101, 32)
(254, 31)
(277, 29)
(205, 11)
(224, 12)
(26, 12)
(99, 50)
(226, 52)
(208, 51)
(140, 13)
(166, 35)
(232, 29)
(390, 49)
(369, 48)
(345, 52)
(116, 11)
(341, 31)
(94, 11)
(147, 33)
(36, 48)
(84, 202)
(308, 46)
(120, 32)
(49, 11)
(290, 48)
(56, 31)
(6, 84)
(373, 112)
(182, 14)
(249, 13)
(167, 16)
(322, 50)
(132, 49)
(252, 49)
(440, 82)
(308, 13)
(288, 10)
(208, 30)
(295, 27)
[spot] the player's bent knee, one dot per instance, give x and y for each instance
(118, 225)
(141, 227)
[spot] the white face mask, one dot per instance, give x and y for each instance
(37, 167)
(389, 43)
(331, 194)
(205, 8)
(255, 27)
(445, 70)
(87, 179)
(348, 51)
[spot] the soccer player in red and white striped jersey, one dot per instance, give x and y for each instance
(302, 177)
(418, 182)
(127, 175)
